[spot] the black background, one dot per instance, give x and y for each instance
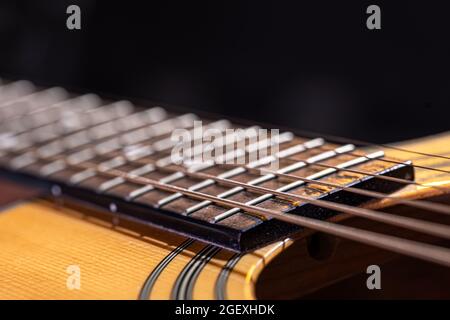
(305, 64)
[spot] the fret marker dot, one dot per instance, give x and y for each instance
(56, 190)
(112, 207)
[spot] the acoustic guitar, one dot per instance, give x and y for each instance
(96, 206)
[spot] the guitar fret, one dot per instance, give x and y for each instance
(80, 156)
(145, 189)
(112, 163)
(110, 184)
(13, 91)
(52, 167)
(81, 176)
(137, 152)
(89, 173)
(22, 161)
(50, 150)
(142, 170)
(107, 146)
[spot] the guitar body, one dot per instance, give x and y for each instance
(46, 243)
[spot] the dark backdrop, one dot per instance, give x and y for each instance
(304, 64)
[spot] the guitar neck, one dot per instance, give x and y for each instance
(121, 158)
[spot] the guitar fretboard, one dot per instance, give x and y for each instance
(111, 154)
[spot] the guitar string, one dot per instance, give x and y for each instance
(415, 203)
(408, 223)
(150, 282)
(424, 251)
(430, 206)
(421, 204)
(431, 228)
(381, 177)
(386, 159)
